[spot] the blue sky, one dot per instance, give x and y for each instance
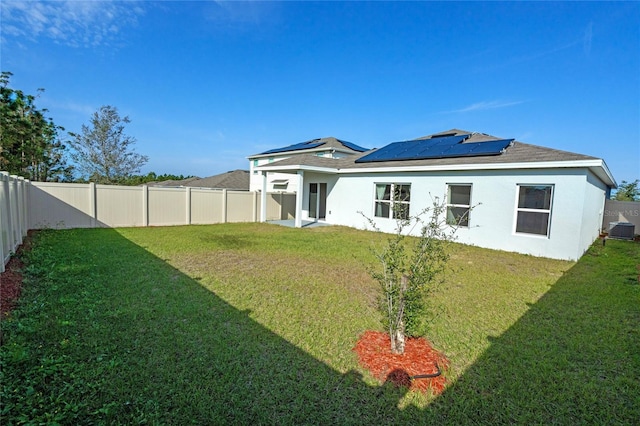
(207, 83)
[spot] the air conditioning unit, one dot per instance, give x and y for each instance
(622, 230)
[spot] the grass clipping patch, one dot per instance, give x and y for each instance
(419, 358)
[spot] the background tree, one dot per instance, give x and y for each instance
(628, 191)
(30, 145)
(102, 151)
(134, 180)
(410, 269)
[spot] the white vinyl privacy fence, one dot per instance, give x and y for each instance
(71, 205)
(13, 215)
(37, 205)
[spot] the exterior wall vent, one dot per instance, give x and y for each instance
(621, 230)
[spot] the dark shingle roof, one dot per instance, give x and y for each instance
(173, 183)
(316, 144)
(518, 152)
(235, 179)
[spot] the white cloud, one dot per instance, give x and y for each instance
(83, 110)
(240, 15)
(485, 105)
(72, 23)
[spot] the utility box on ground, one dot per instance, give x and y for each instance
(622, 230)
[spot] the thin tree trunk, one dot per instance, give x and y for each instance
(398, 335)
(398, 342)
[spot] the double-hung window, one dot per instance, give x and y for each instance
(534, 209)
(458, 204)
(392, 200)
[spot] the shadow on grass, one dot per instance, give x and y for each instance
(573, 358)
(130, 339)
(110, 333)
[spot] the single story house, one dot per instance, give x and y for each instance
(236, 180)
(505, 194)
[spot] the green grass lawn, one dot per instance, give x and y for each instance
(255, 324)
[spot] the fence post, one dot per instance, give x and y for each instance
(188, 206)
(256, 205)
(19, 180)
(13, 211)
(145, 205)
(263, 199)
(26, 187)
(93, 204)
(4, 219)
(224, 206)
(20, 208)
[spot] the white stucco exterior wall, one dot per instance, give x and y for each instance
(592, 211)
(578, 199)
(311, 177)
(255, 178)
(255, 181)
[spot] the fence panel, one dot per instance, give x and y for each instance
(60, 205)
(208, 206)
(168, 206)
(13, 214)
(281, 206)
(242, 206)
(6, 245)
(119, 206)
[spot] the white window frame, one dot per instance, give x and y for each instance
(536, 210)
(391, 202)
(467, 218)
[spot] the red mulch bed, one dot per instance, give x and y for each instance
(10, 285)
(11, 278)
(374, 353)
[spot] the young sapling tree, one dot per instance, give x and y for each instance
(410, 268)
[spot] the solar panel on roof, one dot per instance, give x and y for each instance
(441, 147)
(295, 147)
(353, 146)
(379, 154)
(491, 147)
(477, 148)
(409, 150)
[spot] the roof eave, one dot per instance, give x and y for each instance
(304, 151)
(604, 174)
(596, 166)
(295, 167)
